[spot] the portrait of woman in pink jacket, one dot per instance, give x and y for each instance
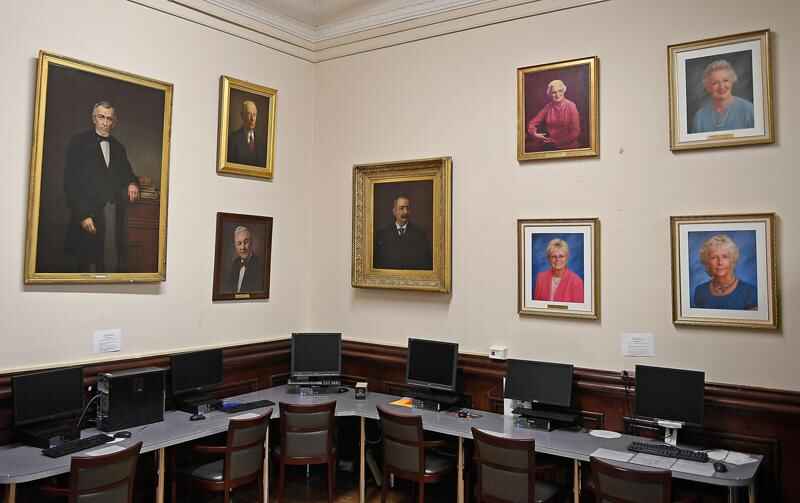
(559, 283)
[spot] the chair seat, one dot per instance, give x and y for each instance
(545, 491)
(213, 471)
(436, 465)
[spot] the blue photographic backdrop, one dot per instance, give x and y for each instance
(539, 244)
(746, 267)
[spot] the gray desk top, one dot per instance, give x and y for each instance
(23, 464)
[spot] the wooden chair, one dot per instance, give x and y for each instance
(242, 460)
(506, 470)
(105, 478)
(617, 484)
(307, 433)
(405, 453)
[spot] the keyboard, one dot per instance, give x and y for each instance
(668, 451)
(80, 444)
(241, 407)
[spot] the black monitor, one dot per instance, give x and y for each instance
(539, 382)
(670, 394)
(196, 371)
(316, 354)
(432, 364)
(49, 395)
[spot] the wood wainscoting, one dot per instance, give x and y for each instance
(741, 418)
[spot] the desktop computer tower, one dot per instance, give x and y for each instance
(130, 398)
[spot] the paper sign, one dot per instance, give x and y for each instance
(108, 340)
(638, 344)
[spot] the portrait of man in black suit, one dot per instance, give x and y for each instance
(402, 244)
(246, 272)
(98, 184)
(247, 145)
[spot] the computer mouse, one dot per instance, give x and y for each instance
(196, 417)
(463, 413)
(122, 434)
(720, 467)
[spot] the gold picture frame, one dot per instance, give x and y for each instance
(720, 92)
(402, 225)
(88, 182)
(724, 270)
(558, 271)
(242, 257)
(553, 124)
(246, 137)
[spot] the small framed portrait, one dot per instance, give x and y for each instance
(97, 201)
(557, 110)
(242, 257)
(559, 267)
(723, 271)
(402, 226)
(246, 143)
(720, 92)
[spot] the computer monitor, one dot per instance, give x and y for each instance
(670, 394)
(316, 354)
(432, 364)
(539, 382)
(196, 371)
(49, 395)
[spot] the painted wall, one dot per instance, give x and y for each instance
(48, 325)
(456, 95)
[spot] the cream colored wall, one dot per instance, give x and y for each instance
(47, 325)
(455, 95)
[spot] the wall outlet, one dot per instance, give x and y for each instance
(498, 352)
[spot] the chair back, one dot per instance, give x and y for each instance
(307, 432)
(244, 454)
(104, 479)
(506, 468)
(403, 443)
(615, 484)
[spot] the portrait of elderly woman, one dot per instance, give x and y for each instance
(557, 110)
(557, 125)
(558, 283)
(722, 110)
(719, 255)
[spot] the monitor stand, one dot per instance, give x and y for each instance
(49, 433)
(670, 431)
(431, 399)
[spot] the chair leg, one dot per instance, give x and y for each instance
(281, 481)
(330, 482)
(385, 484)
(421, 492)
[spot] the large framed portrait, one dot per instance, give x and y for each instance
(97, 203)
(242, 257)
(402, 225)
(723, 271)
(559, 267)
(246, 139)
(720, 92)
(557, 110)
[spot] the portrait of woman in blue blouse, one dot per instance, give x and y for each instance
(719, 255)
(721, 110)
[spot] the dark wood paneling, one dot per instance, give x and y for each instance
(744, 418)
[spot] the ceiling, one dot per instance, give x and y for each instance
(317, 30)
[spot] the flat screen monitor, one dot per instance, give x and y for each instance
(670, 394)
(316, 354)
(196, 371)
(43, 396)
(432, 364)
(539, 382)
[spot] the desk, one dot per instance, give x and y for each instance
(20, 464)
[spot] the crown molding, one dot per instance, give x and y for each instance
(417, 20)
